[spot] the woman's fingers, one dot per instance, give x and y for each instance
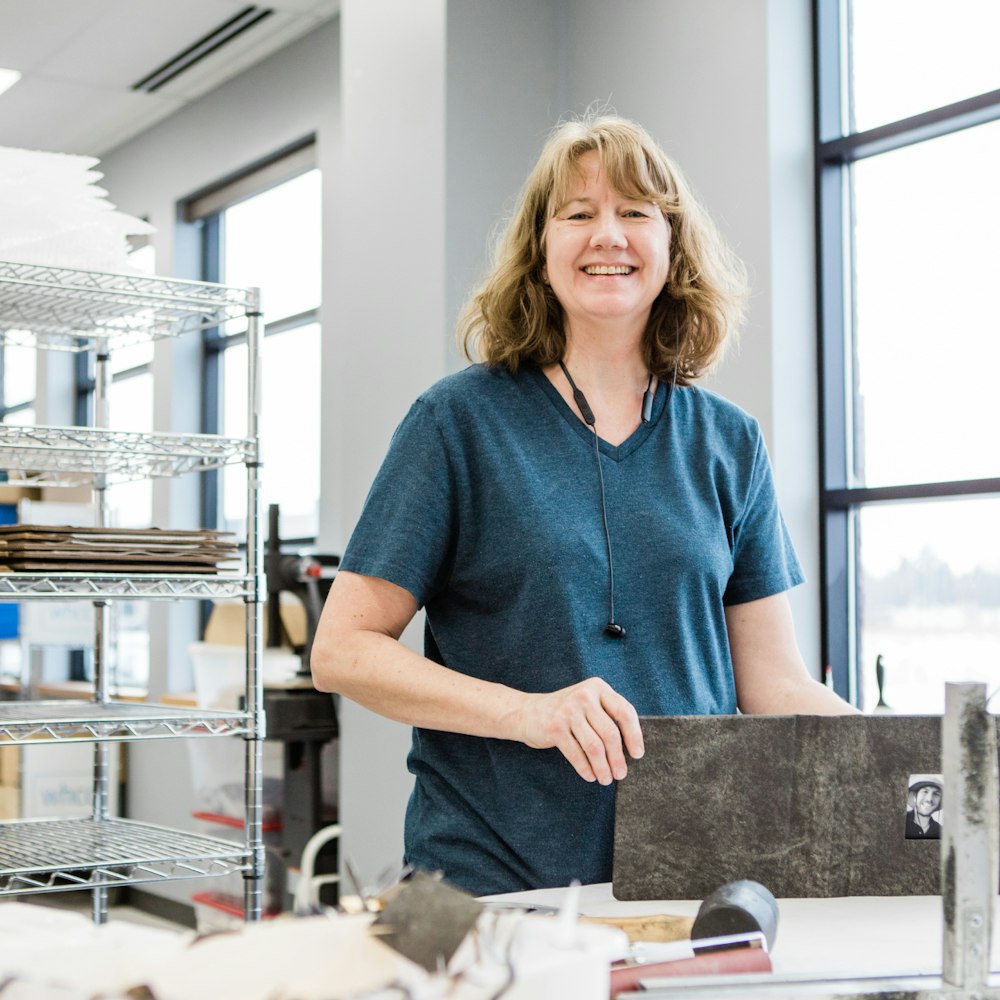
(573, 751)
(627, 720)
(590, 724)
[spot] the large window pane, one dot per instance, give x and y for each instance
(272, 241)
(928, 336)
(131, 356)
(909, 56)
(130, 402)
(18, 374)
(929, 599)
(24, 417)
(142, 258)
(290, 426)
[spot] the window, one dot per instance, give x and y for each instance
(908, 154)
(17, 385)
(130, 404)
(264, 231)
(130, 505)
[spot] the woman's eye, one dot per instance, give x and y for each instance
(635, 213)
(579, 215)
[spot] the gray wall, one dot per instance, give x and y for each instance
(726, 86)
(507, 88)
(428, 115)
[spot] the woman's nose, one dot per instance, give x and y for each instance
(608, 232)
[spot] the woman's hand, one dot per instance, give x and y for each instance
(589, 723)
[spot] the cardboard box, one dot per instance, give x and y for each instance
(12, 494)
(10, 803)
(227, 623)
(83, 494)
(56, 779)
(10, 763)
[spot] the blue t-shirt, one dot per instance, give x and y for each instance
(487, 510)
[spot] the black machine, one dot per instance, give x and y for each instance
(307, 577)
(301, 717)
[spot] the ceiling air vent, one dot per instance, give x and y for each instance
(206, 45)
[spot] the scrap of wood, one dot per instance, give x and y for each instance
(658, 927)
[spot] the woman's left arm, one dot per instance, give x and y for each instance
(771, 676)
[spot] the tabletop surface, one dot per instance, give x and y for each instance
(855, 936)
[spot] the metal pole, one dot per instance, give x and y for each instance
(102, 620)
(254, 878)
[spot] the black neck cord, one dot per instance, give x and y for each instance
(613, 628)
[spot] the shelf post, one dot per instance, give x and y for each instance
(254, 878)
(102, 617)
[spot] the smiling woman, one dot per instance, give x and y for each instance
(489, 513)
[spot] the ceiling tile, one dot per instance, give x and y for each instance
(31, 32)
(133, 39)
(57, 116)
(80, 59)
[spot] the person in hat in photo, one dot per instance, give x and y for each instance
(923, 801)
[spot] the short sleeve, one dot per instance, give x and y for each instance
(764, 560)
(405, 532)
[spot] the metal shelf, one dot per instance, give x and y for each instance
(83, 721)
(57, 854)
(72, 456)
(122, 586)
(81, 311)
(73, 310)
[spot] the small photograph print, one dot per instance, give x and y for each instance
(924, 795)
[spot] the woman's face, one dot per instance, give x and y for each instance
(606, 257)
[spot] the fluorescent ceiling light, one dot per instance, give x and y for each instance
(8, 77)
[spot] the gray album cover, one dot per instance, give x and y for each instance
(806, 805)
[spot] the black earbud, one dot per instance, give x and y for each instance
(581, 401)
(647, 401)
(614, 630)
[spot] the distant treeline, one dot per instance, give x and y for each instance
(928, 580)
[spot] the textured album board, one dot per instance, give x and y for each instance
(806, 805)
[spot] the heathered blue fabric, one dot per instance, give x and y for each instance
(487, 509)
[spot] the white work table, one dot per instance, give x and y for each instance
(843, 938)
(856, 936)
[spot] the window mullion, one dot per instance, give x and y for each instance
(836, 556)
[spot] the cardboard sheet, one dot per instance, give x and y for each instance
(55, 548)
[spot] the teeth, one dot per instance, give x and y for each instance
(609, 269)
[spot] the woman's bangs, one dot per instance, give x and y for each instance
(630, 170)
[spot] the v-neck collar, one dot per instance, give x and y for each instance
(614, 452)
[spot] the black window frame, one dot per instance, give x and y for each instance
(837, 148)
(206, 210)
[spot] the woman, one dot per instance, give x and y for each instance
(584, 556)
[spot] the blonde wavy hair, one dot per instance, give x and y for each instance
(515, 318)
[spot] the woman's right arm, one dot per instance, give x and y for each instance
(357, 653)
